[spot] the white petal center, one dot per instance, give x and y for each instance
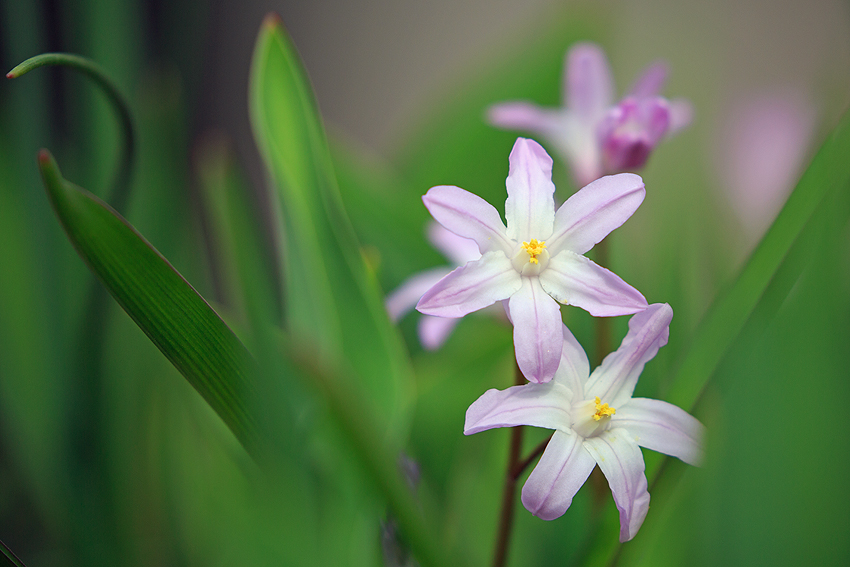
(531, 258)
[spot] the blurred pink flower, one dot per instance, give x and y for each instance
(596, 421)
(537, 260)
(760, 154)
(593, 135)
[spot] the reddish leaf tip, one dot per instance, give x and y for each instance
(43, 157)
(272, 20)
(10, 75)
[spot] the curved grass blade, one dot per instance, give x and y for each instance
(121, 184)
(331, 296)
(163, 304)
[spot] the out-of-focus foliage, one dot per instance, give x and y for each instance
(107, 457)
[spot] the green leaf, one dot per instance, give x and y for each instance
(163, 304)
(331, 296)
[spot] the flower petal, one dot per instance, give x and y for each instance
(651, 82)
(526, 116)
(662, 427)
(433, 331)
(594, 211)
(681, 114)
(616, 377)
(456, 248)
(574, 280)
(589, 87)
(407, 295)
(562, 470)
(530, 206)
(469, 216)
(538, 338)
(472, 287)
(539, 405)
(621, 461)
(574, 367)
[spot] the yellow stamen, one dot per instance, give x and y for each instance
(602, 410)
(534, 249)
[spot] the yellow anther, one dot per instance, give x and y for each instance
(602, 410)
(534, 249)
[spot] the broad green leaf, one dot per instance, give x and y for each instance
(178, 320)
(331, 297)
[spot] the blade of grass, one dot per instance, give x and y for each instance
(170, 312)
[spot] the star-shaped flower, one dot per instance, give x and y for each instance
(596, 421)
(592, 134)
(537, 260)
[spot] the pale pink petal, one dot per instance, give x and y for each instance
(574, 367)
(681, 115)
(594, 211)
(526, 116)
(456, 248)
(539, 405)
(562, 470)
(530, 206)
(472, 287)
(651, 81)
(614, 380)
(621, 461)
(572, 279)
(538, 338)
(662, 427)
(589, 86)
(405, 297)
(433, 331)
(469, 216)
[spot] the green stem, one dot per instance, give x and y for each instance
(121, 184)
(10, 556)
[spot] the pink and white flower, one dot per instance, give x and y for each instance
(433, 331)
(595, 136)
(596, 421)
(537, 260)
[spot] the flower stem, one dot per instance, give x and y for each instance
(602, 324)
(506, 517)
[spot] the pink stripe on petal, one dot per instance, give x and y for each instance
(616, 377)
(469, 216)
(594, 211)
(562, 470)
(530, 206)
(538, 405)
(538, 337)
(573, 279)
(472, 287)
(621, 462)
(574, 367)
(662, 427)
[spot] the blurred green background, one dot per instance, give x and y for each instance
(108, 457)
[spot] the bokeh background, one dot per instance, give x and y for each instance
(125, 465)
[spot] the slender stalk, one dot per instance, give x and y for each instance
(506, 517)
(602, 324)
(10, 556)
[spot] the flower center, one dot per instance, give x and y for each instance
(602, 410)
(531, 258)
(534, 249)
(591, 417)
